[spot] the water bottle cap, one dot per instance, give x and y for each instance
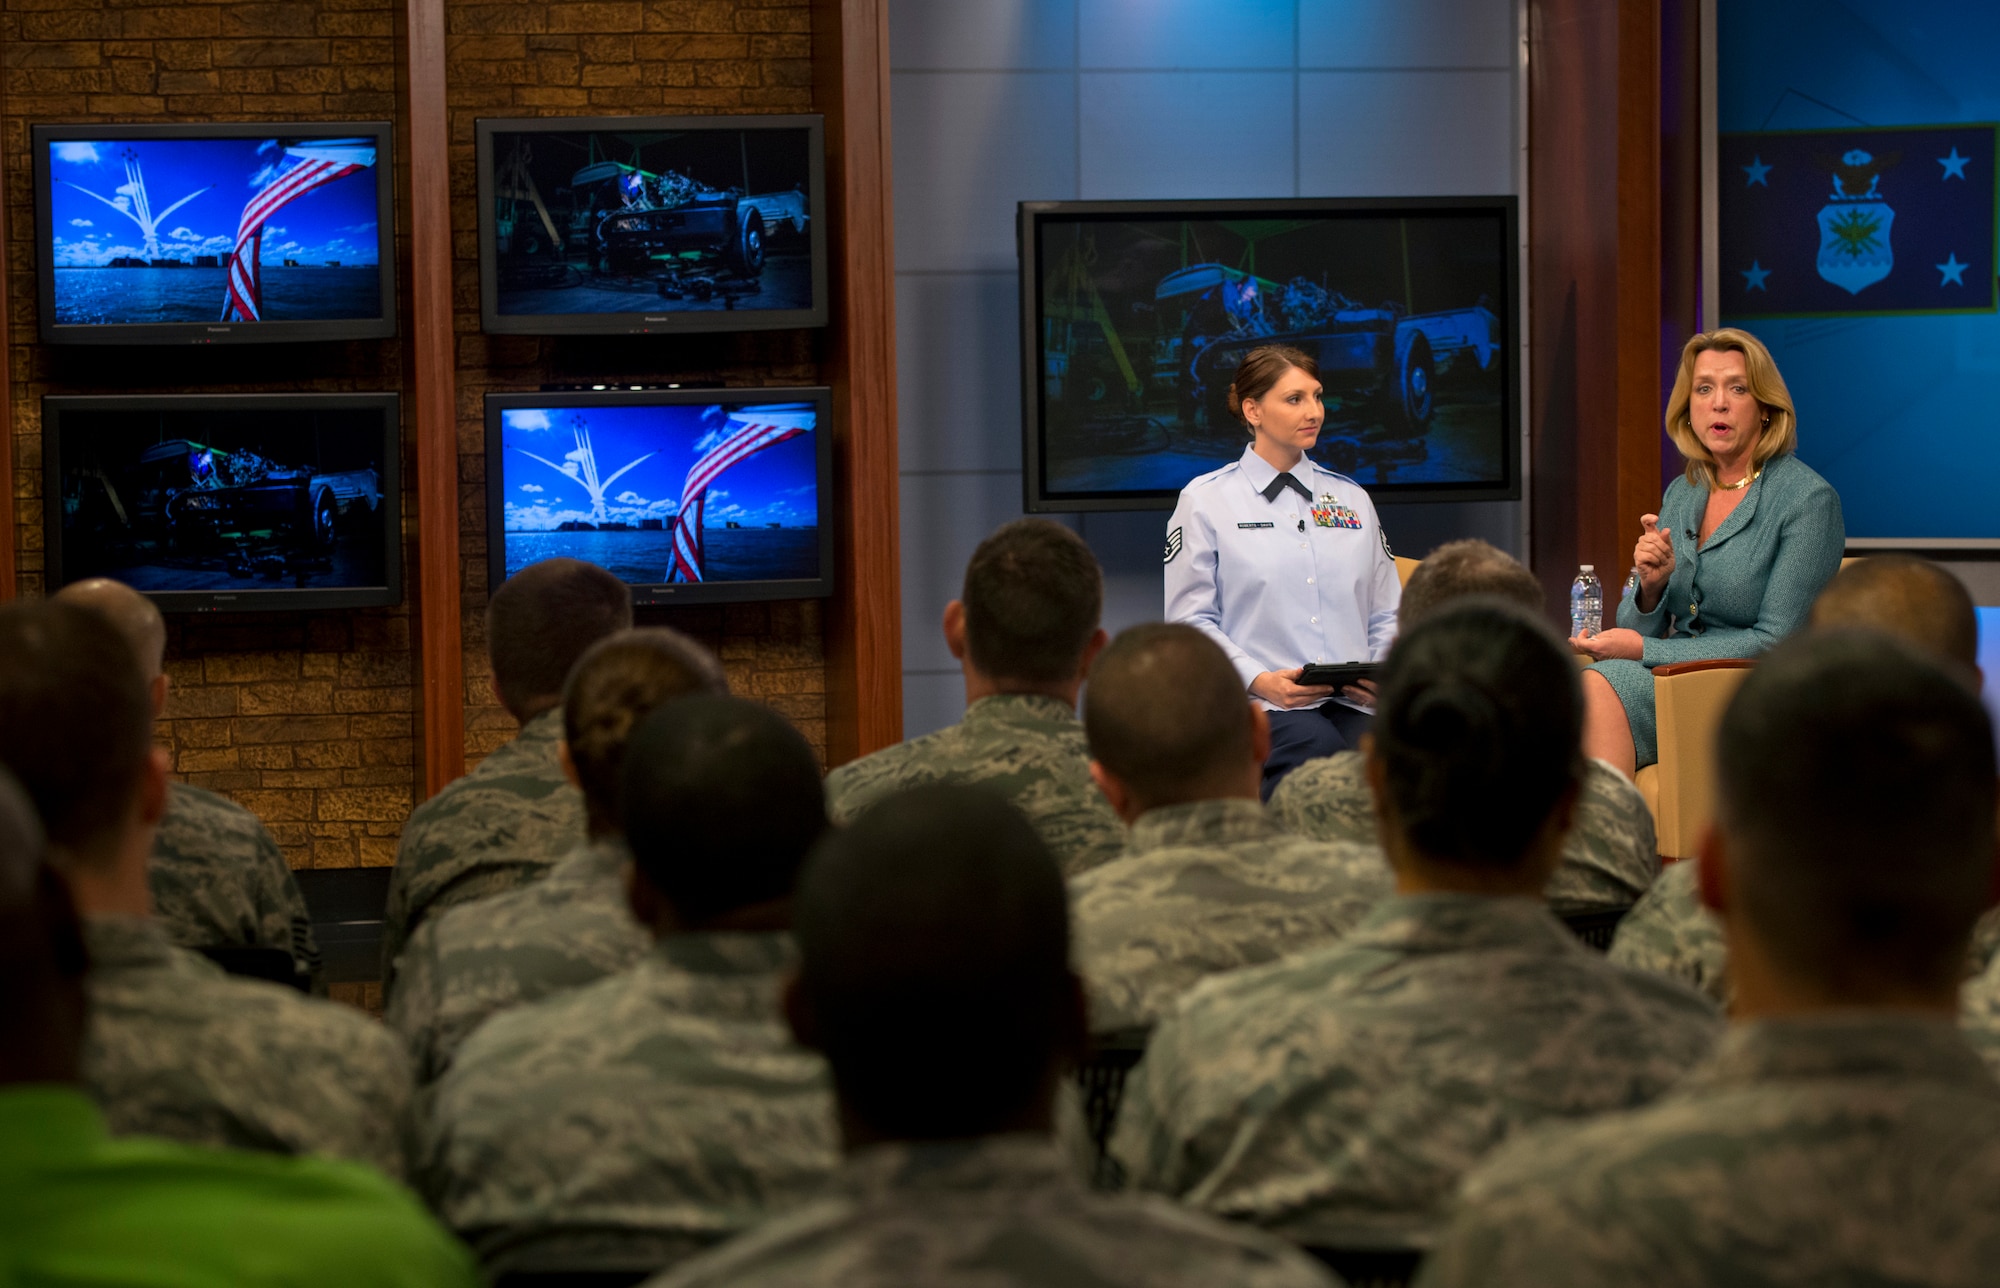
(1589, 568)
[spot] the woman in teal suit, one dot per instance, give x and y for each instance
(1734, 559)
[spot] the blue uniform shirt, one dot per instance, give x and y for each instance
(1283, 582)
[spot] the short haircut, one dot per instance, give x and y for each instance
(720, 801)
(934, 955)
(1912, 599)
(1166, 713)
(1856, 779)
(1479, 728)
(136, 617)
(1033, 595)
(616, 684)
(1469, 567)
(541, 620)
(76, 720)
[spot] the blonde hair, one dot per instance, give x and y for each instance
(1780, 432)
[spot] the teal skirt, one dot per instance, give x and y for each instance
(1633, 683)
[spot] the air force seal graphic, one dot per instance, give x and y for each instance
(1854, 250)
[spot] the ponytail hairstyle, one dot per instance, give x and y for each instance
(1479, 732)
(1262, 368)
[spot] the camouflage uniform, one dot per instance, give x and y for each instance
(996, 1212)
(1027, 747)
(1854, 1148)
(179, 1049)
(1204, 888)
(1608, 860)
(464, 964)
(1339, 1095)
(631, 1122)
(1979, 1013)
(498, 828)
(220, 881)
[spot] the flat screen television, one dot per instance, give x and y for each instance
(1135, 315)
(227, 502)
(651, 224)
(697, 496)
(215, 234)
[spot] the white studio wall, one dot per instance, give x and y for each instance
(1000, 101)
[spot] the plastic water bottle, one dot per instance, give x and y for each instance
(1586, 603)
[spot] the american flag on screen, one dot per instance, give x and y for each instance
(752, 430)
(319, 163)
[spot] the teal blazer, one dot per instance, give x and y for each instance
(1751, 585)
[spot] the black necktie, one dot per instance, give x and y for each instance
(1283, 481)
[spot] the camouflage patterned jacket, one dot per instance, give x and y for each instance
(631, 1122)
(1341, 1094)
(498, 828)
(220, 881)
(179, 1049)
(996, 1212)
(1856, 1148)
(1027, 747)
(467, 963)
(1608, 861)
(1204, 888)
(1979, 1013)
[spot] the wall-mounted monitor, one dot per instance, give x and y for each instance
(215, 234)
(1135, 315)
(651, 225)
(227, 502)
(688, 496)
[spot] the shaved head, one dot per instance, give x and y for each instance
(1166, 713)
(135, 616)
(1912, 599)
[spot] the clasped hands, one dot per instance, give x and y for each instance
(1653, 561)
(1282, 689)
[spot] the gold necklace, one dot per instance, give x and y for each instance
(1739, 485)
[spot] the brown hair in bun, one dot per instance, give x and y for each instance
(1262, 368)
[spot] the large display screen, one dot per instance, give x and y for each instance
(1855, 184)
(687, 496)
(206, 234)
(638, 224)
(1136, 315)
(227, 502)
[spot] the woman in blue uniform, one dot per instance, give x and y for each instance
(1283, 562)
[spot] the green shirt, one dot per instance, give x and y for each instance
(77, 1207)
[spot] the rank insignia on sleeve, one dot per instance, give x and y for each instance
(1173, 545)
(1384, 534)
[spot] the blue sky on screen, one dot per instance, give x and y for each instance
(777, 485)
(333, 222)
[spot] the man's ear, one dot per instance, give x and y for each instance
(799, 1015)
(161, 683)
(153, 786)
(1260, 733)
(954, 628)
(568, 765)
(1098, 639)
(1711, 873)
(1116, 794)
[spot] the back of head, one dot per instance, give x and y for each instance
(1478, 729)
(934, 959)
(1856, 788)
(1033, 594)
(42, 960)
(1166, 713)
(614, 686)
(1912, 599)
(135, 616)
(541, 620)
(720, 800)
(76, 725)
(1461, 568)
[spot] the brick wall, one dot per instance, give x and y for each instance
(660, 56)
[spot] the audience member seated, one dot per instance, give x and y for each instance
(1024, 629)
(78, 1208)
(1844, 1133)
(1339, 1095)
(1670, 931)
(507, 822)
(1610, 858)
(176, 1048)
(218, 878)
(631, 1122)
(574, 926)
(934, 973)
(1207, 882)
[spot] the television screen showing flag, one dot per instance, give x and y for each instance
(1858, 222)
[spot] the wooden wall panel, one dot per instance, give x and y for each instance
(7, 442)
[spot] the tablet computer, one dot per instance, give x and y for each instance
(1337, 673)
